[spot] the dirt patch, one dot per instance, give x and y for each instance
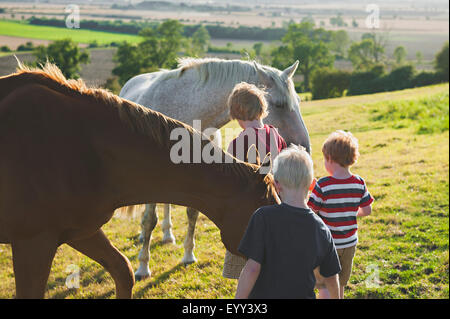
(14, 42)
(94, 73)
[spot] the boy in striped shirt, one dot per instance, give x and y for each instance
(339, 199)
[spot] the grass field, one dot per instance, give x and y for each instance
(403, 249)
(23, 30)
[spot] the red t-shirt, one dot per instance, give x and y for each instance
(266, 139)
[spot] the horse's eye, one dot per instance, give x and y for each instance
(278, 105)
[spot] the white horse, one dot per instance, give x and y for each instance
(198, 90)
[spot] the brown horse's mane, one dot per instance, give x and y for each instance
(138, 118)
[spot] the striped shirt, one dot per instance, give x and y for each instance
(337, 202)
(266, 139)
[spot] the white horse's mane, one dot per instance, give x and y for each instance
(230, 72)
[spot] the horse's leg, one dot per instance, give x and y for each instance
(100, 249)
(32, 261)
(149, 221)
(189, 244)
(168, 237)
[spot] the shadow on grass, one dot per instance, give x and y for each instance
(158, 280)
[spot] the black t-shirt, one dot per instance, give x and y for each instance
(289, 243)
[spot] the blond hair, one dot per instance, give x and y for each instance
(342, 148)
(247, 102)
(293, 168)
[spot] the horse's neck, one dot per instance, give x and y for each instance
(143, 172)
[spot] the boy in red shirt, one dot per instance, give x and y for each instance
(247, 105)
(339, 199)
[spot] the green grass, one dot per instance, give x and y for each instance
(404, 242)
(429, 115)
(23, 30)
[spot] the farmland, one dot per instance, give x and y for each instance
(417, 26)
(403, 249)
(22, 30)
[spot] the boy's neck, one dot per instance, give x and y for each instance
(294, 198)
(254, 124)
(340, 172)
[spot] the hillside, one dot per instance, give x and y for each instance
(403, 250)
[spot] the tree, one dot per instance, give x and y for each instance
(361, 54)
(258, 48)
(65, 54)
(308, 45)
(338, 21)
(158, 49)
(339, 43)
(400, 55)
(129, 61)
(419, 57)
(380, 41)
(368, 52)
(441, 62)
(200, 42)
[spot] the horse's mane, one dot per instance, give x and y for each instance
(223, 73)
(138, 118)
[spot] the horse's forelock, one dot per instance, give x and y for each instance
(285, 93)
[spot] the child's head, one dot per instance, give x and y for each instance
(247, 102)
(293, 169)
(341, 148)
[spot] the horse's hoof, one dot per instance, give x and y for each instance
(169, 240)
(141, 277)
(187, 261)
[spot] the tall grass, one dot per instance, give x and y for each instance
(427, 115)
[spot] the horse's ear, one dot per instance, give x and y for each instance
(290, 71)
(252, 150)
(262, 75)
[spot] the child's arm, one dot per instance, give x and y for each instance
(247, 279)
(332, 284)
(364, 211)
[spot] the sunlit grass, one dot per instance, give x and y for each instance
(23, 30)
(403, 245)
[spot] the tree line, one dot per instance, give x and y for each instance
(317, 50)
(134, 27)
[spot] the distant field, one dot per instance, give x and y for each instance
(22, 30)
(403, 249)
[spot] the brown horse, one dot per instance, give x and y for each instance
(70, 155)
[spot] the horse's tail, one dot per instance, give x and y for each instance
(129, 212)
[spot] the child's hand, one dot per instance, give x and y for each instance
(313, 184)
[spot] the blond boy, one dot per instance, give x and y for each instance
(285, 243)
(339, 199)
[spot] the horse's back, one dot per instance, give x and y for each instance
(46, 153)
(135, 86)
